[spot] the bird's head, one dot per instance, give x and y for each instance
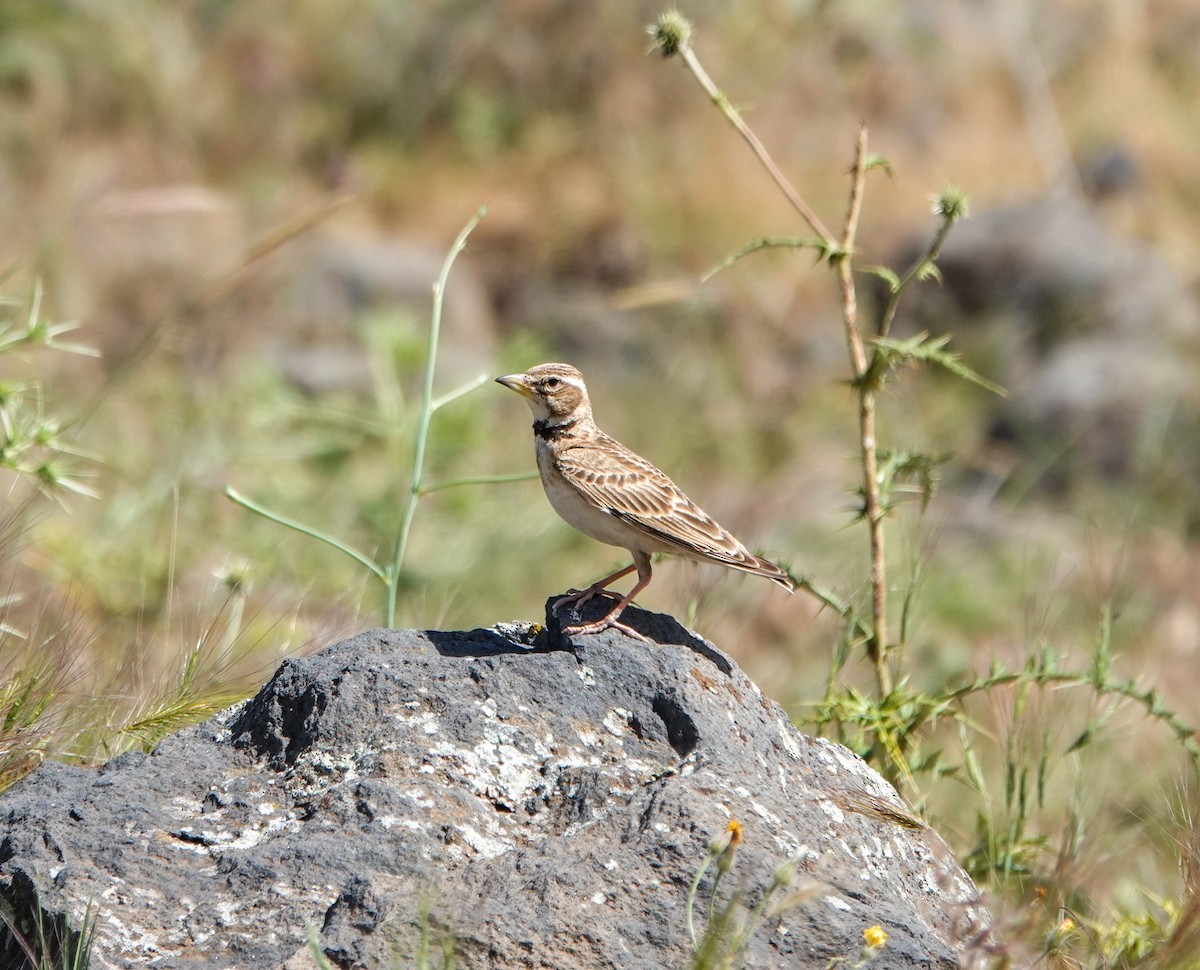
(555, 392)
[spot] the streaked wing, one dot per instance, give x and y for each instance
(610, 475)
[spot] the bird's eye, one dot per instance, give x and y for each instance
(552, 382)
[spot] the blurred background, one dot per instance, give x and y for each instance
(243, 207)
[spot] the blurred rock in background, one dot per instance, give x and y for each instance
(1093, 335)
(337, 279)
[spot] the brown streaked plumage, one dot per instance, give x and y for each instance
(609, 493)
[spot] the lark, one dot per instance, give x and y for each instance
(611, 494)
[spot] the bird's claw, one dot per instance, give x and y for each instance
(579, 597)
(607, 623)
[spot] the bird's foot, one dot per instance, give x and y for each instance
(609, 622)
(580, 596)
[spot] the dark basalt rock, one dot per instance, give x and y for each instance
(528, 802)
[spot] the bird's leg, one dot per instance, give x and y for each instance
(641, 561)
(581, 596)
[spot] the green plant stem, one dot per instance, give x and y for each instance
(691, 896)
(771, 242)
(921, 266)
(858, 629)
(389, 574)
(479, 480)
(315, 950)
(427, 408)
(237, 498)
(451, 396)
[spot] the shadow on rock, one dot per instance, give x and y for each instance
(504, 638)
(658, 627)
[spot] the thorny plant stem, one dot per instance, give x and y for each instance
(873, 510)
(735, 119)
(841, 254)
(922, 264)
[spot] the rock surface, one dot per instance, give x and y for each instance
(495, 791)
(1093, 335)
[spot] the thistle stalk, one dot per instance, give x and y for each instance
(868, 391)
(672, 34)
(677, 42)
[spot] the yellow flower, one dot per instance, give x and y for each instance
(724, 847)
(875, 937)
(1066, 926)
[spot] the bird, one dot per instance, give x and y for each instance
(616, 496)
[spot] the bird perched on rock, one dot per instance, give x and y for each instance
(609, 493)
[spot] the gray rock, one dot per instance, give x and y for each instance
(1053, 270)
(1094, 336)
(494, 791)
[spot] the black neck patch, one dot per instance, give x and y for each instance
(551, 432)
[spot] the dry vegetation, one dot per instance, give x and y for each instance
(209, 190)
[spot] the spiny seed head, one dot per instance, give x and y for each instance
(951, 204)
(671, 32)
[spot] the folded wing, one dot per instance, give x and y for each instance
(638, 493)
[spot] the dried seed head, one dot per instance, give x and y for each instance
(951, 204)
(671, 33)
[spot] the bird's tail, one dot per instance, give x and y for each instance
(768, 569)
(750, 563)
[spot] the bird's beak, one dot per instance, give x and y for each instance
(515, 382)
